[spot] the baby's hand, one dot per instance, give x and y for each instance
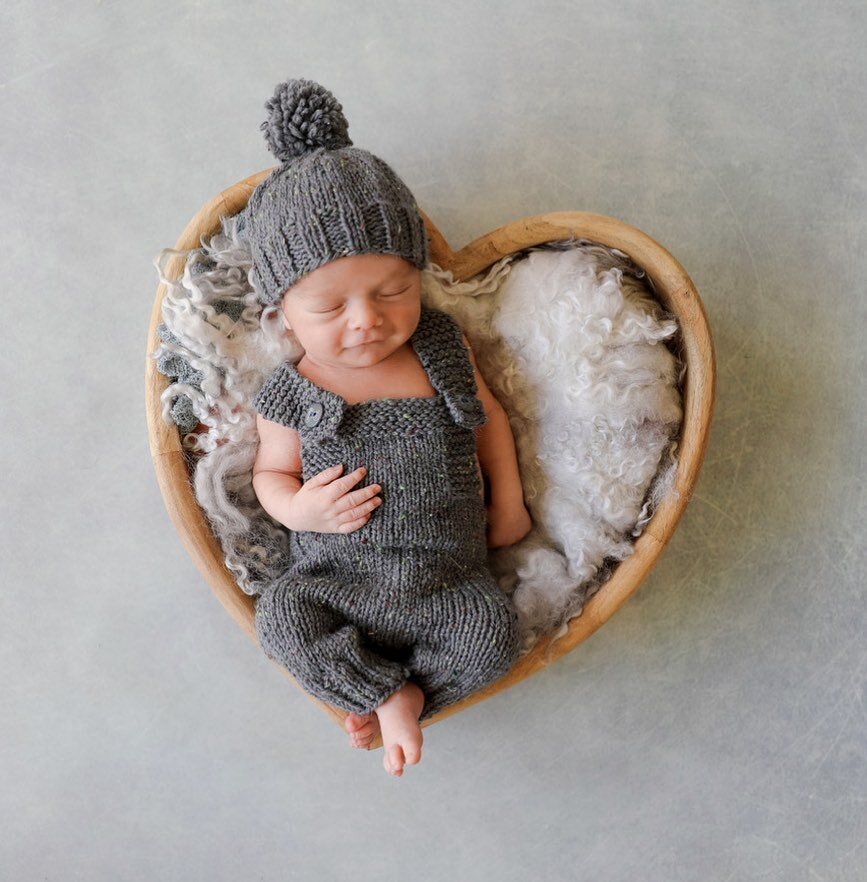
(325, 505)
(507, 524)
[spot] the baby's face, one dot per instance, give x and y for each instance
(356, 310)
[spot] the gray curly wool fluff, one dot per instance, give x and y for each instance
(327, 199)
(571, 342)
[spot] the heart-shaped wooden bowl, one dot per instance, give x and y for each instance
(672, 286)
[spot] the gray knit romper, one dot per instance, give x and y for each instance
(408, 595)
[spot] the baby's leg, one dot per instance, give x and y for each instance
(300, 623)
(471, 642)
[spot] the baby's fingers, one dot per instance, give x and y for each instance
(326, 475)
(357, 516)
(356, 497)
(352, 526)
(340, 486)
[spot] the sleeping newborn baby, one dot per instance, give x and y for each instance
(372, 447)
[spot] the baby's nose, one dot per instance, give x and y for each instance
(365, 315)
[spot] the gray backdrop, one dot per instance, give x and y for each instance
(714, 729)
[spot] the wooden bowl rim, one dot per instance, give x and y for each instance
(673, 287)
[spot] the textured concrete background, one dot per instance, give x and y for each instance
(715, 728)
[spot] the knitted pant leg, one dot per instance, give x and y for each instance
(471, 642)
(300, 625)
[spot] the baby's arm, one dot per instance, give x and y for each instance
(323, 504)
(508, 518)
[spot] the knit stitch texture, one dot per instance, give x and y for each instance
(327, 199)
(408, 595)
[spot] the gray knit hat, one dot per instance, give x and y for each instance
(327, 199)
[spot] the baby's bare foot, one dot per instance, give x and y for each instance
(401, 733)
(362, 728)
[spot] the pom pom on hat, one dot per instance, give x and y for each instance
(302, 115)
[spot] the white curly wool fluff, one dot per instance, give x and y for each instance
(569, 340)
(571, 345)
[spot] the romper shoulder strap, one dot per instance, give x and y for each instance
(291, 400)
(437, 342)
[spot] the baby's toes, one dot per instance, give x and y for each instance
(368, 730)
(357, 739)
(412, 753)
(393, 760)
(354, 721)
